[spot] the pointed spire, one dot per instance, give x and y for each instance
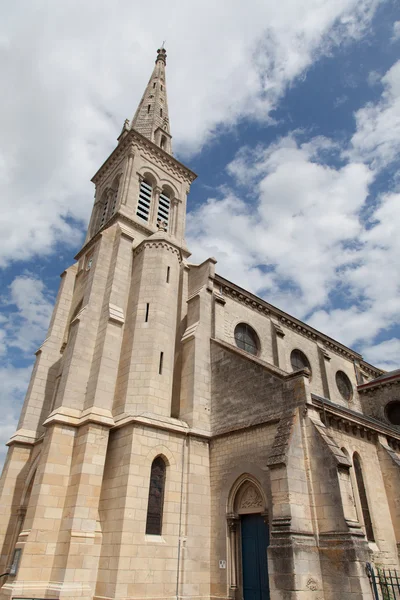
(151, 118)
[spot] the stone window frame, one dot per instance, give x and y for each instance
(307, 361)
(346, 379)
(258, 345)
(154, 490)
(392, 403)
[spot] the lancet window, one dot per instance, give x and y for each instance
(156, 497)
(363, 498)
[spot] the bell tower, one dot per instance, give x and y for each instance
(99, 407)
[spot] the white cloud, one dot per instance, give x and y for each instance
(300, 238)
(294, 234)
(72, 72)
(30, 308)
(396, 31)
(14, 382)
(385, 355)
(27, 307)
(377, 136)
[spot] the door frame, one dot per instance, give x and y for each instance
(246, 498)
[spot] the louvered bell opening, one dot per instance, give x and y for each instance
(145, 193)
(104, 215)
(163, 208)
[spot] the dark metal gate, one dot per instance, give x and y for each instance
(385, 583)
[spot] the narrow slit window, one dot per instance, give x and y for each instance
(154, 84)
(160, 112)
(147, 313)
(148, 108)
(168, 272)
(144, 202)
(163, 208)
(161, 88)
(155, 505)
(160, 367)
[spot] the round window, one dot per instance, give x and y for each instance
(299, 360)
(392, 411)
(246, 338)
(344, 385)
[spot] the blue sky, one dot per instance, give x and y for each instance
(290, 115)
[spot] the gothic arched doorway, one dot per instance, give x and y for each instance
(249, 539)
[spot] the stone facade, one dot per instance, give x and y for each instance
(142, 362)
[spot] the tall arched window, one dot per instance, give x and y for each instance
(144, 202)
(299, 360)
(363, 498)
(156, 497)
(163, 207)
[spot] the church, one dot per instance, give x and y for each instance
(181, 438)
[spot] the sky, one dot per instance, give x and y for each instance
(288, 112)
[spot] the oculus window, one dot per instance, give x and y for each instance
(246, 339)
(392, 411)
(344, 385)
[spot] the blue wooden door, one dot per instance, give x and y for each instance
(255, 539)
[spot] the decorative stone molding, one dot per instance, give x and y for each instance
(244, 299)
(22, 436)
(251, 498)
(151, 151)
(312, 584)
(281, 524)
(126, 231)
(190, 332)
(324, 353)
(76, 418)
(219, 299)
(349, 421)
(370, 386)
(116, 314)
(157, 244)
(278, 330)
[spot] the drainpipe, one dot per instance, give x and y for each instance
(184, 441)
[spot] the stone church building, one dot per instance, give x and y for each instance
(181, 437)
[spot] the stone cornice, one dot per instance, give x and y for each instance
(164, 423)
(372, 386)
(227, 288)
(24, 437)
(351, 421)
(128, 144)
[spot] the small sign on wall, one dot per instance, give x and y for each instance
(222, 564)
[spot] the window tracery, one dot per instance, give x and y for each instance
(246, 338)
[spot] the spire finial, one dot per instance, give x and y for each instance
(162, 54)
